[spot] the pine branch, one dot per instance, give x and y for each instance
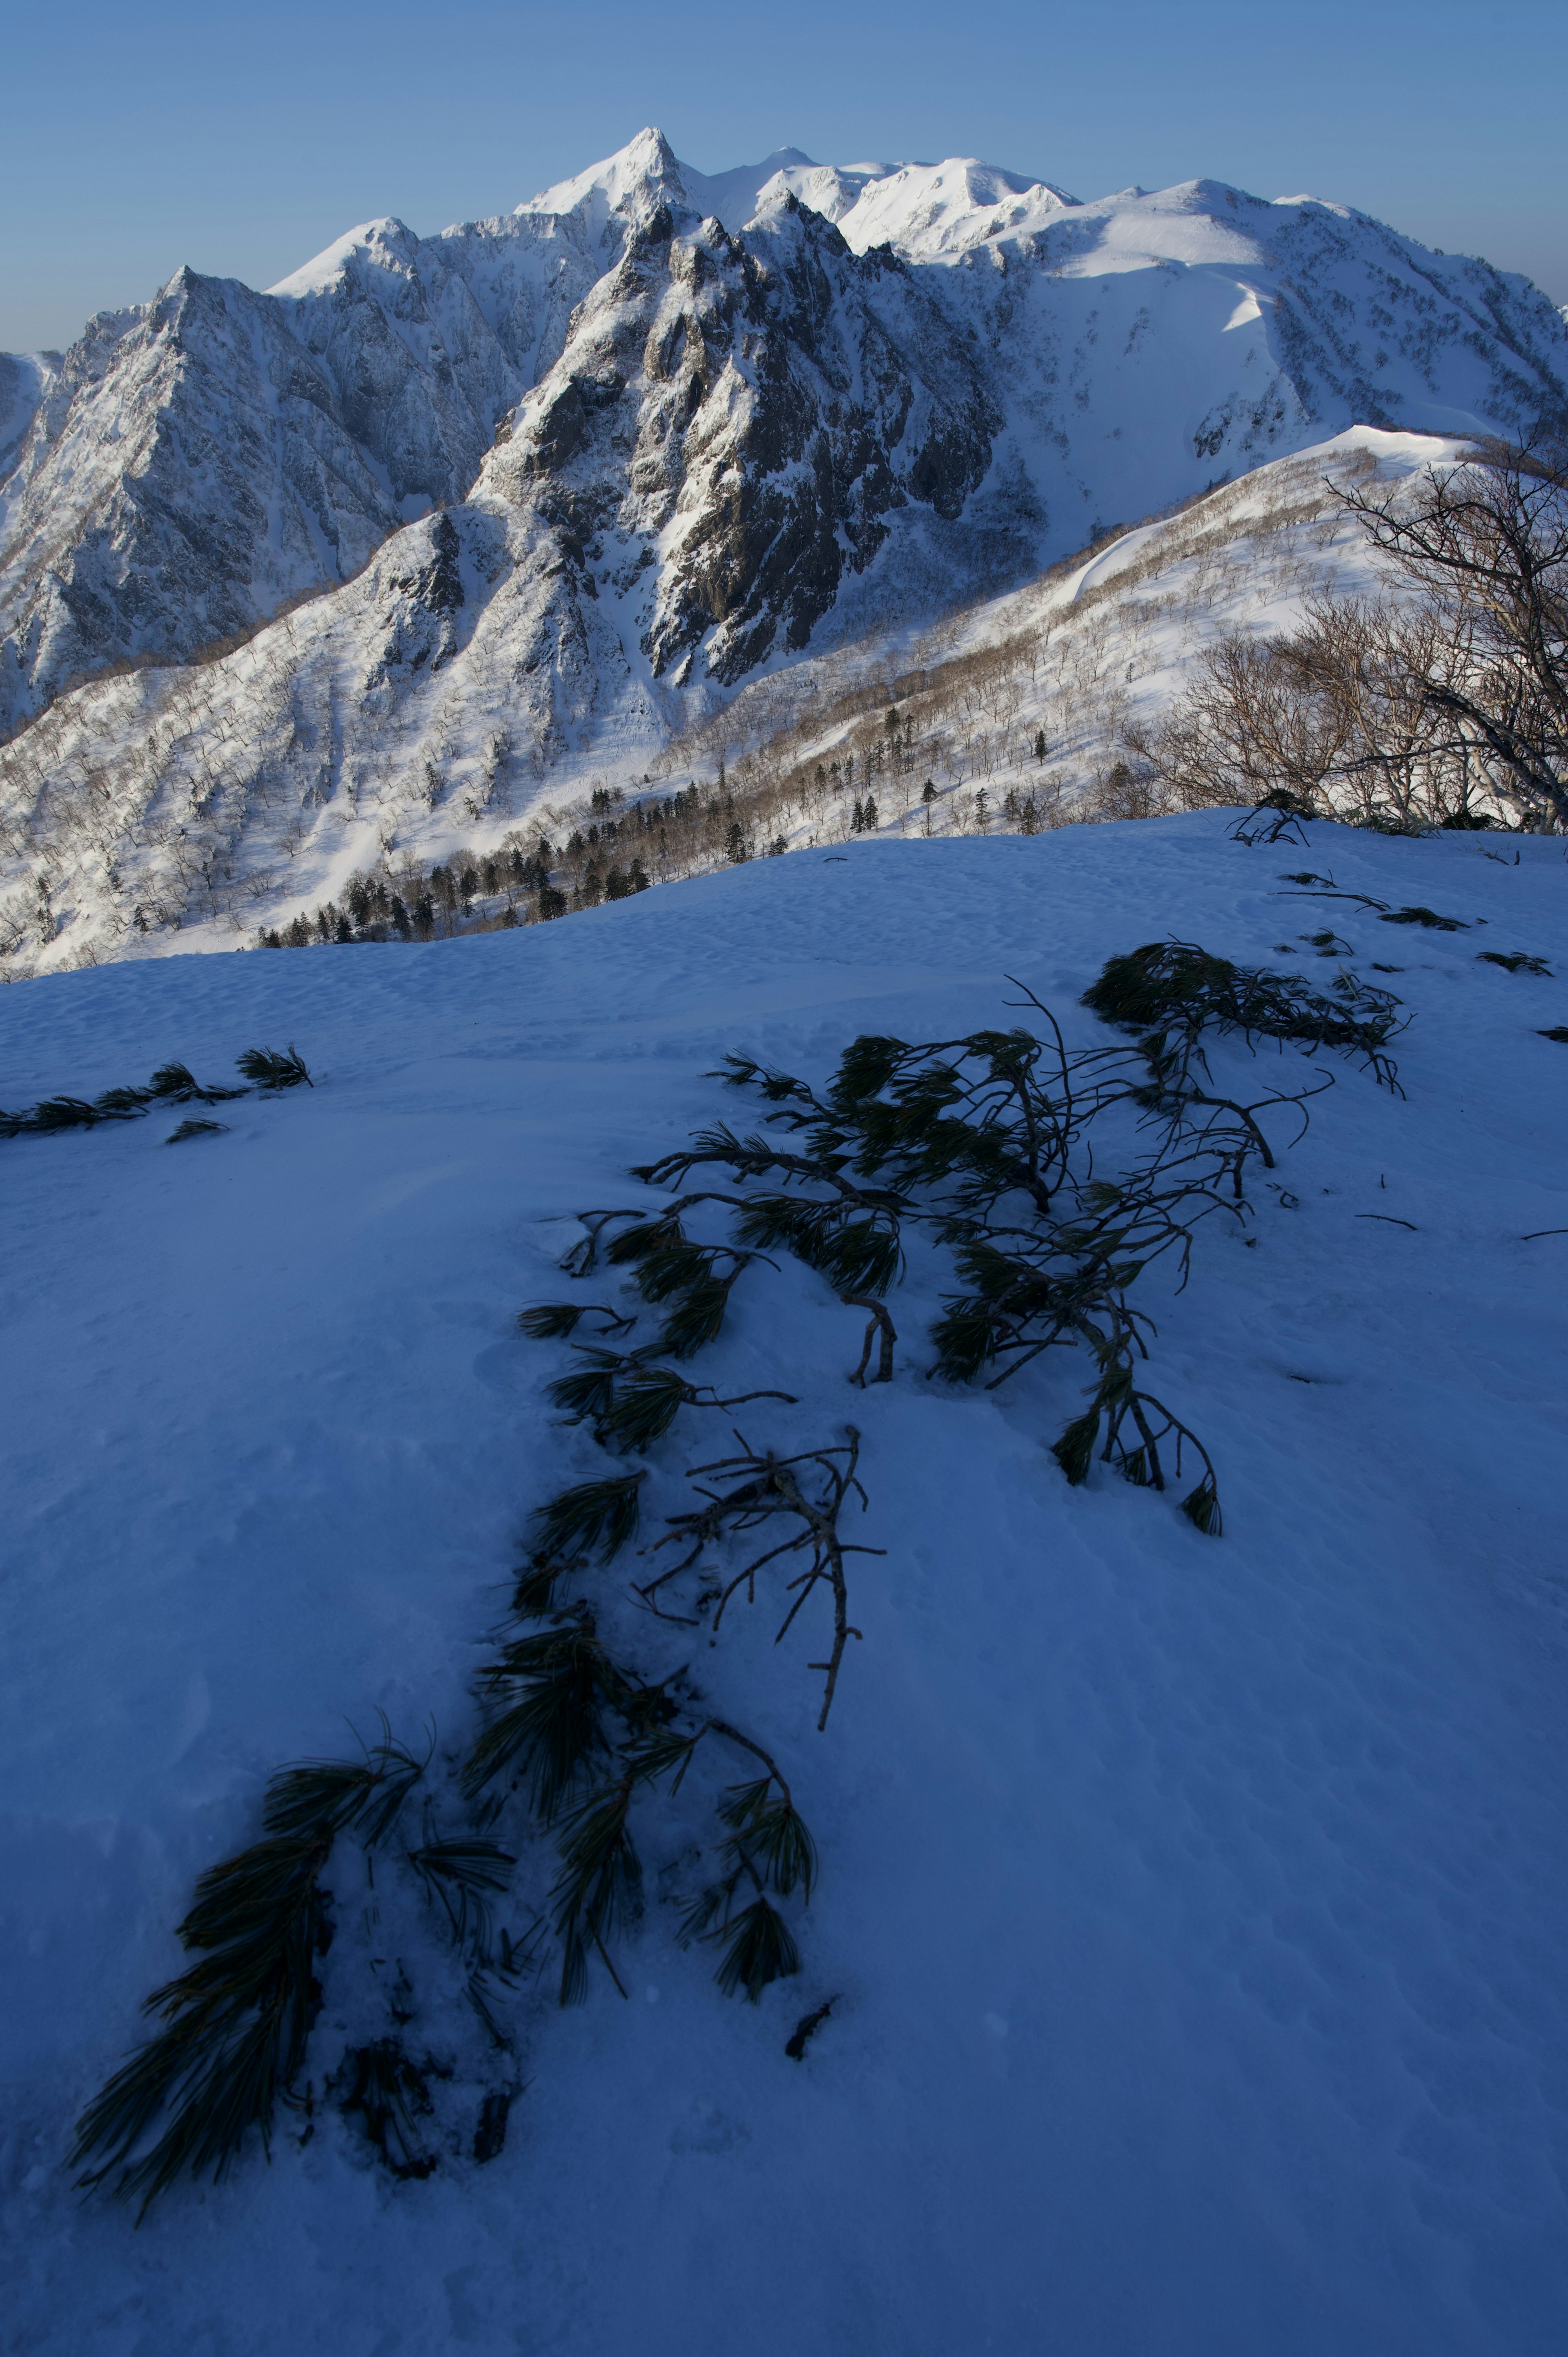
(462, 1874)
(631, 1404)
(549, 1700)
(269, 1069)
(172, 1084)
(239, 2022)
(769, 1488)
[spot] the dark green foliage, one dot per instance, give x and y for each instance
(57, 1113)
(463, 1874)
(392, 2095)
(645, 1405)
(534, 1594)
(1426, 917)
(856, 1253)
(630, 1403)
(1074, 1452)
(1169, 986)
(197, 1129)
(547, 1320)
(768, 1847)
(602, 1514)
(172, 1084)
(1201, 1506)
(587, 1392)
(175, 1084)
(761, 1950)
(766, 1829)
(588, 1737)
(364, 1797)
(987, 1139)
(598, 1890)
(239, 2021)
(742, 1073)
(669, 1267)
(697, 1315)
(1515, 962)
(549, 1697)
(665, 1750)
(270, 1068)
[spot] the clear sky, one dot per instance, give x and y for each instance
(132, 140)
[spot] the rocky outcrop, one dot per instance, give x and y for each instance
(754, 413)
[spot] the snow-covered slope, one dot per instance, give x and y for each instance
(674, 454)
(1193, 1909)
(488, 666)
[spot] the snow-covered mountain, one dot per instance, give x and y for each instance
(681, 429)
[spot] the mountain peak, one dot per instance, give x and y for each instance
(385, 237)
(645, 165)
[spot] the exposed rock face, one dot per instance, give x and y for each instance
(188, 469)
(753, 413)
(196, 462)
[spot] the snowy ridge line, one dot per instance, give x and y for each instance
(1023, 700)
(211, 650)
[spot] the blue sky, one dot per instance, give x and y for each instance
(132, 141)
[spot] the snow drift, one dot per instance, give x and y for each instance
(1191, 1907)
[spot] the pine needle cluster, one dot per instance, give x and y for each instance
(266, 1071)
(988, 1142)
(1176, 987)
(238, 2023)
(583, 1737)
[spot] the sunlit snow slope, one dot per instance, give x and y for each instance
(1194, 1908)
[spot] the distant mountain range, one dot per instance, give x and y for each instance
(533, 493)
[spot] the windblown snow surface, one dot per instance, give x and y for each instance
(1195, 1908)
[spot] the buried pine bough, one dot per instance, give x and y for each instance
(265, 1070)
(238, 2023)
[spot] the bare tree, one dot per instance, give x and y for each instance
(1487, 542)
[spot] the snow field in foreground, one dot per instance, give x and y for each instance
(1195, 1908)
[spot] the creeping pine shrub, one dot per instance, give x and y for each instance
(1175, 987)
(1054, 1180)
(264, 1069)
(237, 2024)
(1513, 960)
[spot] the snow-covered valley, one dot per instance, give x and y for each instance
(1190, 1906)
